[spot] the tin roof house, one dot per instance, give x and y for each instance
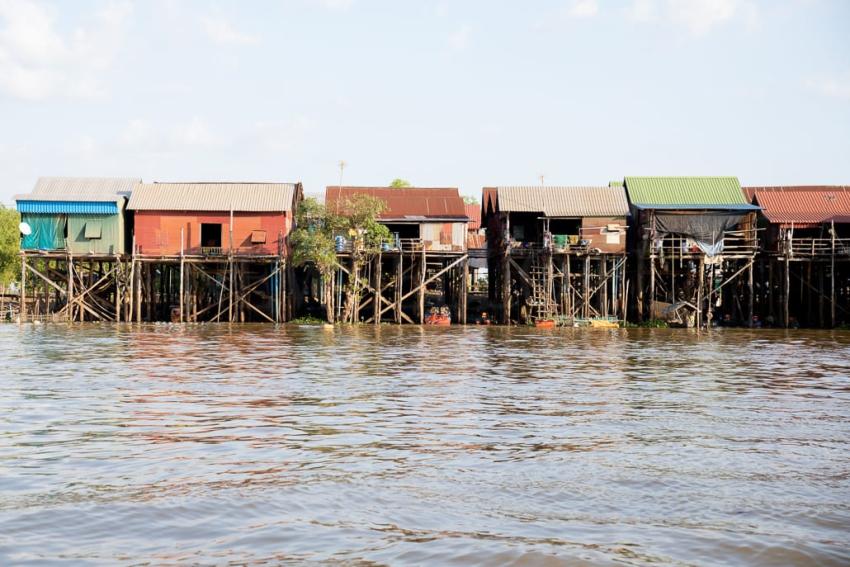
(691, 237)
(79, 215)
(806, 252)
(213, 251)
(423, 267)
(201, 219)
(556, 253)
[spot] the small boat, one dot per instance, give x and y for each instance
(604, 323)
(545, 323)
(439, 317)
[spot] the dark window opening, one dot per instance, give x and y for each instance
(404, 230)
(211, 235)
(565, 227)
(526, 227)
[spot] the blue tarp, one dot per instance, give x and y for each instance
(48, 232)
(68, 207)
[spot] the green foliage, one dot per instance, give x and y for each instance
(10, 242)
(398, 183)
(361, 222)
(312, 240)
(653, 324)
(470, 200)
(316, 226)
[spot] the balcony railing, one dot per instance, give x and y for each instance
(816, 247)
(735, 243)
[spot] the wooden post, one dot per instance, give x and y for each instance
(378, 301)
(463, 292)
(604, 262)
(70, 298)
(506, 287)
(117, 277)
(423, 269)
(182, 273)
(132, 291)
(585, 312)
(750, 299)
(399, 281)
(832, 277)
(701, 278)
(787, 292)
(22, 315)
(652, 284)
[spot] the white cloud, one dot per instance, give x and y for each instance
(38, 62)
(221, 31)
(583, 8)
(833, 87)
(643, 10)
(459, 39)
(699, 16)
(696, 17)
(338, 5)
(149, 138)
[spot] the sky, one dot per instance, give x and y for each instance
(444, 94)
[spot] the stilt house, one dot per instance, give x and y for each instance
(212, 251)
(78, 215)
(556, 253)
(692, 238)
(804, 271)
(74, 237)
(424, 266)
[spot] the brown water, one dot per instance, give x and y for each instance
(259, 445)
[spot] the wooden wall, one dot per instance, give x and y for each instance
(595, 230)
(158, 233)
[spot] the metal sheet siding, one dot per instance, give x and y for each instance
(559, 201)
(111, 239)
(65, 207)
(213, 197)
(806, 205)
(693, 191)
(159, 234)
(405, 202)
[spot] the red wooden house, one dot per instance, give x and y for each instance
(207, 219)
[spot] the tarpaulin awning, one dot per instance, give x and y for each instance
(706, 230)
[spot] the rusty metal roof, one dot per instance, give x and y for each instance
(473, 211)
(404, 203)
(559, 201)
(803, 206)
(88, 189)
(214, 197)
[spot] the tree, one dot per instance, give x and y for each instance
(398, 183)
(314, 241)
(470, 200)
(10, 244)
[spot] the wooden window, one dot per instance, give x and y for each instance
(94, 229)
(258, 237)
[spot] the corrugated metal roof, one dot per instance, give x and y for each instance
(473, 211)
(804, 205)
(80, 189)
(68, 207)
(562, 201)
(645, 192)
(405, 202)
(213, 197)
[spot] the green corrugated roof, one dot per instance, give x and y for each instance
(690, 191)
(615, 184)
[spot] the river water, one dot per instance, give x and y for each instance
(256, 445)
